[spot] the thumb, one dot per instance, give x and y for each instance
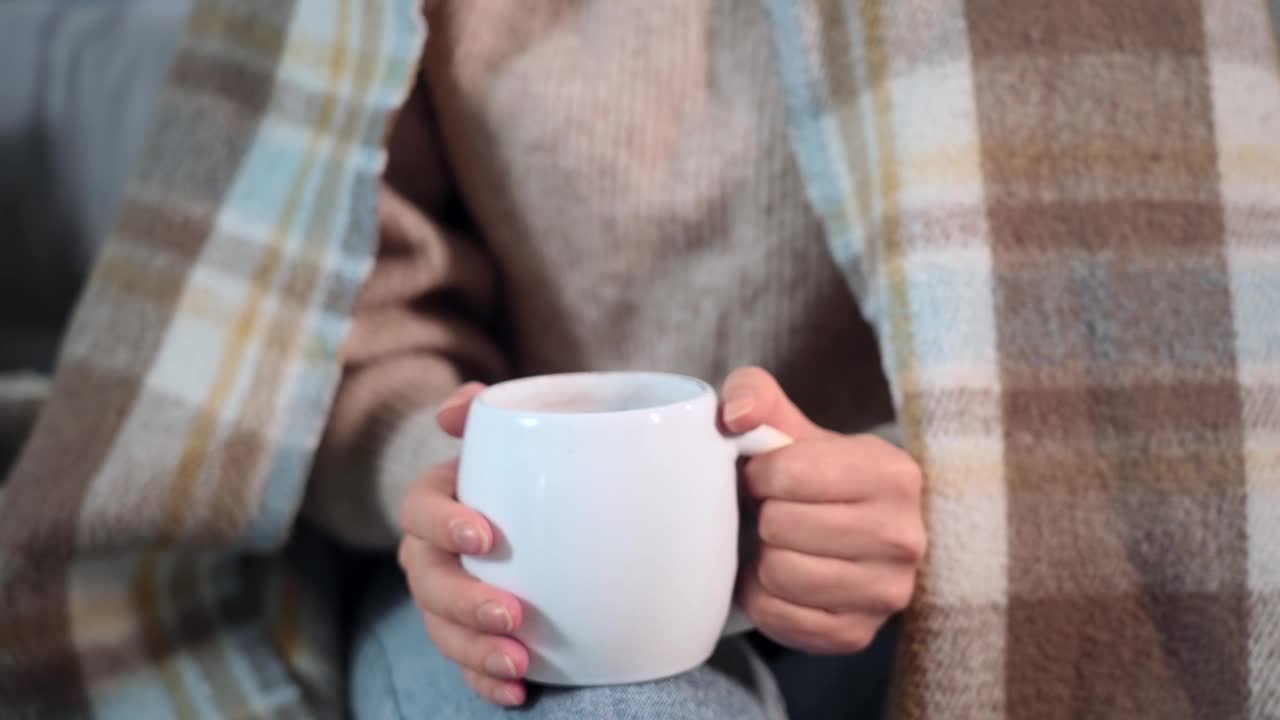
(752, 397)
(452, 415)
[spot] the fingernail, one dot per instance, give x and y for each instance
(506, 695)
(499, 665)
(466, 537)
(494, 617)
(736, 408)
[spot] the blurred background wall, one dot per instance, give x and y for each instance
(78, 81)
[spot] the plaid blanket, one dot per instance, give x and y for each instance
(1063, 218)
(195, 378)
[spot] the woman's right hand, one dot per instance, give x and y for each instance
(470, 623)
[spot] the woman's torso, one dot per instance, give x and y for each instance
(628, 167)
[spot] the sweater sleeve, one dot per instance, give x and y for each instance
(421, 326)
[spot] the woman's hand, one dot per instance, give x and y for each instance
(469, 622)
(840, 524)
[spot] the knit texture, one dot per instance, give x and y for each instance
(590, 186)
(1063, 220)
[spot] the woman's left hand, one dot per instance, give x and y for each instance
(840, 525)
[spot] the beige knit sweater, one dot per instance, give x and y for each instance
(585, 185)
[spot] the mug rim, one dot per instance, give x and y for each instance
(700, 390)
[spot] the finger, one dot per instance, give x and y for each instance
(440, 586)
(506, 693)
(835, 585)
(452, 415)
(804, 628)
(836, 469)
(845, 531)
(497, 656)
(752, 397)
(430, 513)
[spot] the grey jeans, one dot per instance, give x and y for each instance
(396, 674)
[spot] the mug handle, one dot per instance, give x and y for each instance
(764, 439)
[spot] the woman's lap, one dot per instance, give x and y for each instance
(396, 674)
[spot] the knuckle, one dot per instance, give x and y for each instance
(908, 543)
(421, 598)
(426, 594)
(910, 478)
(462, 609)
(887, 456)
(917, 543)
(408, 507)
(411, 507)
(441, 638)
(432, 623)
(751, 374)
(897, 467)
(896, 595)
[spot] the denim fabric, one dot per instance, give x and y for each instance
(395, 674)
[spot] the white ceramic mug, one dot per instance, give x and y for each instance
(613, 498)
